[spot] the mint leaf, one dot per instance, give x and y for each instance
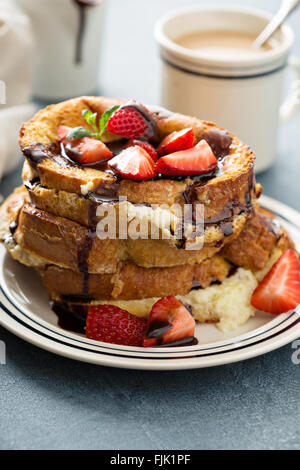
(79, 132)
(105, 117)
(90, 118)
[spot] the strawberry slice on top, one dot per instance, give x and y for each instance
(176, 141)
(133, 163)
(146, 146)
(195, 161)
(279, 291)
(111, 324)
(85, 150)
(63, 131)
(169, 322)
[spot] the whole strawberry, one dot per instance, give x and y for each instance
(111, 324)
(131, 120)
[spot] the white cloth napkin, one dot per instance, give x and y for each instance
(16, 79)
(17, 55)
(11, 120)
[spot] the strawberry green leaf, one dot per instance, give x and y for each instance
(105, 118)
(79, 132)
(90, 118)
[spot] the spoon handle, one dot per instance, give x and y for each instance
(287, 6)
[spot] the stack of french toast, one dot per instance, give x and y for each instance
(101, 215)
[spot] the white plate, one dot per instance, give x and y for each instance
(25, 311)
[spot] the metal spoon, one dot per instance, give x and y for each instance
(286, 8)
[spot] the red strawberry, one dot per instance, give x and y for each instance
(63, 131)
(87, 150)
(181, 140)
(113, 325)
(146, 146)
(200, 159)
(169, 321)
(128, 122)
(133, 163)
(279, 291)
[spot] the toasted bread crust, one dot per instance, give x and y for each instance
(132, 282)
(252, 249)
(59, 241)
(50, 244)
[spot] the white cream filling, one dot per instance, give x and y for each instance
(227, 303)
(86, 188)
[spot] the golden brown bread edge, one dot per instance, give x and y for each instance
(253, 250)
(233, 188)
(133, 282)
(79, 209)
(60, 241)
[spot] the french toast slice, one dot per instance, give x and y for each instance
(73, 191)
(52, 247)
(65, 243)
(133, 282)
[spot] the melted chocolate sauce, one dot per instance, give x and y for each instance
(219, 140)
(189, 308)
(14, 225)
(157, 329)
(82, 6)
(70, 320)
(189, 341)
(37, 153)
(196, 285)
(31, 184)
(76, 298)
(117, 146)
(9, 237)
(227, 228)
(82, 260)
(273, 225)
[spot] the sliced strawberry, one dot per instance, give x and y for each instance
(195, 161)
(130, 120)
(87, 150)
(146, 146)
(169, 321)
(63, 131)
(113, 325)
(133, 163)
(279, 291)
(181, 140)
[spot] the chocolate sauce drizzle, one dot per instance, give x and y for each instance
(74, 320)
(158, 328)
(82, 6)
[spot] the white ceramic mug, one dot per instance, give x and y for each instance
(68, 40)
(245, 95)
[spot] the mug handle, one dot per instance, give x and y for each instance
(292, 103)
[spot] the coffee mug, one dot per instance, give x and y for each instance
(242, 94)
(68, 41)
